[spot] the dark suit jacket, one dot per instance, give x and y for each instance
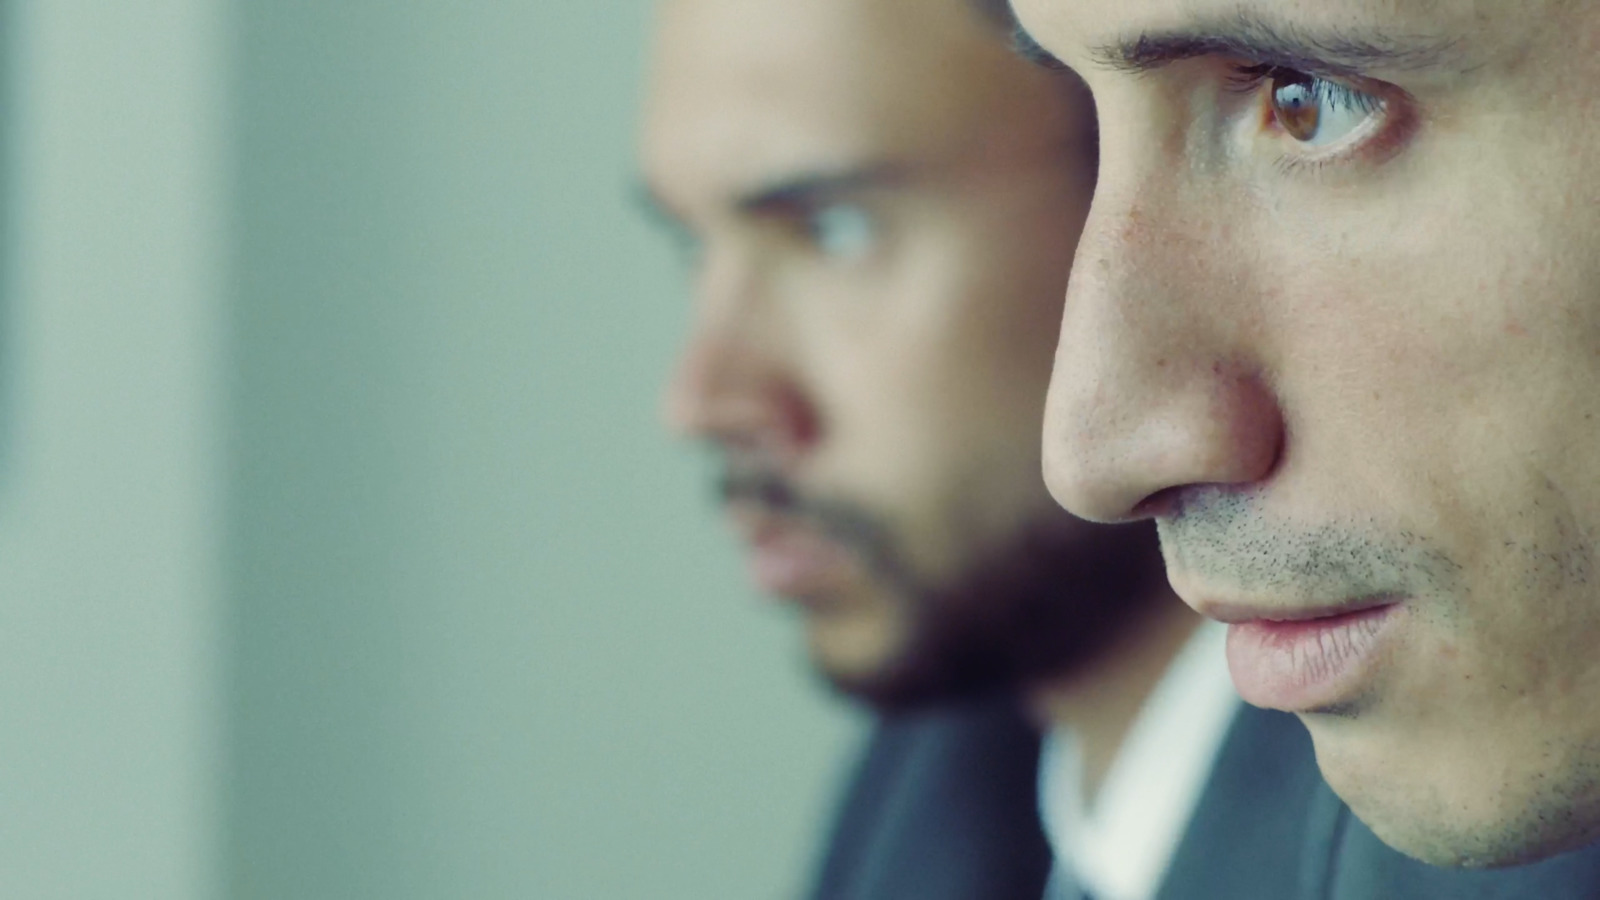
(1245, 838)
(945, 807)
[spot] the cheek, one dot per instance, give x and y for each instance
(1436, 349)
(1531, 609)
(1440, 375)
(942, 440)
(1436, 354)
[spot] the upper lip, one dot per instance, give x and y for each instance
(1240, 613)
(756, 525)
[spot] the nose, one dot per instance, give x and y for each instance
(1157, 385)
(735, 382)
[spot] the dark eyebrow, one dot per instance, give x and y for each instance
(1246, 36)
(787, 196)
(812, 189)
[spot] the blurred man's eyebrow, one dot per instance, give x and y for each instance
(783, 196)
(1247, 36)
(814, 188)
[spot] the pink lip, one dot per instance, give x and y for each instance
(1307, 660)
(790, 560)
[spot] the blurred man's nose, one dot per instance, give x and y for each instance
(1157, 384)
(735, 382)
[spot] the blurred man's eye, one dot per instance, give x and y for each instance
(841, 231)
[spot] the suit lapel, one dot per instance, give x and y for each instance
(866, 802)
(1247, 835)
(948, 811)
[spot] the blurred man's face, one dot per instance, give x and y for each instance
(883, 203)
(1336, 328)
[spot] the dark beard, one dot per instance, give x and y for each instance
(1042, 604)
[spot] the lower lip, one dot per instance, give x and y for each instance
(1305, 665)
(797, 566)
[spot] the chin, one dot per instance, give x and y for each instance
(851, 645)
(882, 669)
(1456, 810)
(1465, 843)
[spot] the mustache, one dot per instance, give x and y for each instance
(760, 487)
(1226, 539)
(848, 523)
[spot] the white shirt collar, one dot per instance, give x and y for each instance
(1120, 850)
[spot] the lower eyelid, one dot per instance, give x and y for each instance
(1390, 130)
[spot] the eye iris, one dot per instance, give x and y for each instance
(1296, 105)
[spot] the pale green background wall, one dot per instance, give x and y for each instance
(488, 639)
(110, 476)
(340, 556)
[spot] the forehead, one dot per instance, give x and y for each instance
(1081, 30)
(743, 91)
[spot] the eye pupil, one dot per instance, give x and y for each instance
(1296, 104)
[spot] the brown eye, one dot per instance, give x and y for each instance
(1295, 104)
(1318, 112)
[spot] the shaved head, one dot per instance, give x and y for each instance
(824, 83)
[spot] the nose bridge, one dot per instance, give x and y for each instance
(734, 380)
(1156, 385)
(1138, 304)
(720, 353)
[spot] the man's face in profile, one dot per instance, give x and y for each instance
(882, 203)
(1335, 326)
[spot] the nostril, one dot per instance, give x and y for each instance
(796, 418)
(1161, 504)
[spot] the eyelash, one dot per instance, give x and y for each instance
(1248, 79)
(1245, 79)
